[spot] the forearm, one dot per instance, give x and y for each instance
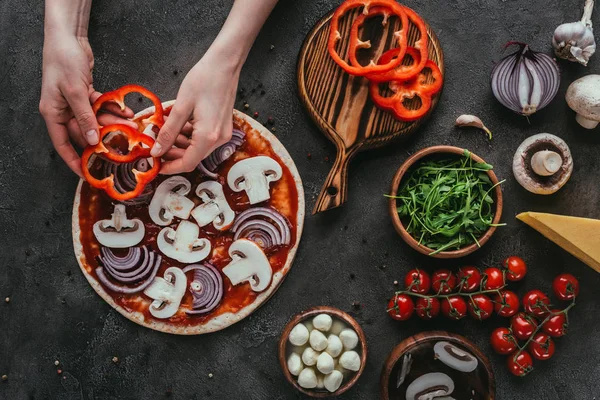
(70, 17)
(241, 28)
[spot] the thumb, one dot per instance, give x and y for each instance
(79, 102)
(169, 131)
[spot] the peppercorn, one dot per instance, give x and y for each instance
(255, 114)
(355, 304)
(271, 120)
(115, 359)
(7, 300)
(56, 362)
(364, 240)
(262, 92)
(59, 371)
(272, 47)
(210, 375)
(309, 156)
(47, 223)
(4, 378)
(395, 283)
(175, 72)
(326, 158)
(273, 129)
(246, 106)
(352, 276)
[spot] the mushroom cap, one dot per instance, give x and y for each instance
(525, 175)
(583, 96)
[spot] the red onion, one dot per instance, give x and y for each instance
(206, 172)
(139, 264)
(206, 288)
(125, 180)
(526, 80)
(223, 152)
(264, 226)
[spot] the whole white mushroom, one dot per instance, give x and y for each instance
(349, 339)
(325, 363)
(294, 364)
(333, 381)
(337, 326)
(350, 360)
(318, 340)
(309, 356)
(299, 335)
(307, 378)
(322, 322)
(334, 346)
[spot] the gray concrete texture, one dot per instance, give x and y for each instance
(55, 315)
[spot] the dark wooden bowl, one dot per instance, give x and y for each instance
(413, 343)
(335, 313)
(412, 242)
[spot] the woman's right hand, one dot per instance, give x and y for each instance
(68, 94)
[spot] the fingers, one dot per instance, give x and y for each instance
(62, 145)
(168, 133)
(75, 133)
(82, 110)
(173, 154)
(200, 146)
(105, 119)
(111, 107)
(182, 141)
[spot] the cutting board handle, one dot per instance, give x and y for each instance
(335, 189)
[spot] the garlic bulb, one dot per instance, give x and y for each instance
(574, 41)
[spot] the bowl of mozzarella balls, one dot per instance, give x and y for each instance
(322, 351)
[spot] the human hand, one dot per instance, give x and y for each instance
(206, 99)
(67, 95)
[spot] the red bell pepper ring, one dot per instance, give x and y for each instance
(420, 86)
(334, 35)
(135, 140)
(118, 96)
(401, 72)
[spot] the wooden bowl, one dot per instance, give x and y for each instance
(412, 242)
(334, 313)
(481, 380)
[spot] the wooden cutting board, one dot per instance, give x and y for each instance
(340, 103)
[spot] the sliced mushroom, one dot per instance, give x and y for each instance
(118, 231)
(248, 264)
(430, 386)
(543, 164)
(583, 96)
(169, 201)
(215, 208)
(254, 175)
(454, 357)
(183, 244)
(167, 293)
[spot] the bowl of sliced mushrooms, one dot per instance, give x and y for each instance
(322, 351)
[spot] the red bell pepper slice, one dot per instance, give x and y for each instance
(118, 96)
(420, 86)
(135, 139)
(334, 35)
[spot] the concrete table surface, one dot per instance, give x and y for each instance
(350, 254)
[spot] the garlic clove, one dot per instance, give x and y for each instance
(472, 121)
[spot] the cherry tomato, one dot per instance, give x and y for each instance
(469, 278)
(523, 326)
(556, 326)
(401, 307)
(520, 364)
(480, 307)
(503, 342)
(506, 304)
(454, 307)
(565, 287)
(535, 302)
(516, 268)
(541, 347)
(428, 308)
(493, 278)
(417, 281)
(443, 281)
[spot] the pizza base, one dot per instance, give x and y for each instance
(224, 320)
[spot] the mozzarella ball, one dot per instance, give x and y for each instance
(334, 346)
(333, 381)
(325, 363)
(307, 378)
(322, 322)
(317, 340)
(320, 381)
(349, 339)
(299, 335)
(350, 360)
(309, 356)
(294, 364)
(337, 326)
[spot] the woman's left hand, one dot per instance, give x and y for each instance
(205, 99)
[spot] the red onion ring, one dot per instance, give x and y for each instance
(263, 225)
(206, 172)
(130, 268)
(224, 151)
(525, 81)
(125, 180)
(206, 288)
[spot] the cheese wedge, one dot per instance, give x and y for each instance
(578, 236)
